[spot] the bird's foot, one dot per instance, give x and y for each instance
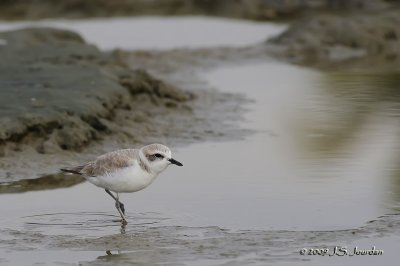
(124, 222)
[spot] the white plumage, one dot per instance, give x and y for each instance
(127, 170)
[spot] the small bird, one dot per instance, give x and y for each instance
(127, 170)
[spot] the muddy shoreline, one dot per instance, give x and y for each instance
(356, 40)
(108, 104)
(255, 9)
(124, 96)
(178, 245)
(59, 94)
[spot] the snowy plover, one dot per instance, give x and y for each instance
(128, 170)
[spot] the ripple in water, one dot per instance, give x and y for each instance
(84, 223)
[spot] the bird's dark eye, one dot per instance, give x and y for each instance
(159, 155)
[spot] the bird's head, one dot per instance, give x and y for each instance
(158, 157)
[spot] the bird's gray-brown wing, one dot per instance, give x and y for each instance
(106, 163)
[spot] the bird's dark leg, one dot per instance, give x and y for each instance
(118, 204)
(120, 207)
(111, 194)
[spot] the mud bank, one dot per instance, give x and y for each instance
(253, 9)
(60, 95)
(356, 39)
(61, 92)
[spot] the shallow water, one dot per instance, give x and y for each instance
(320, 170)
(161, 33)
(326, 154)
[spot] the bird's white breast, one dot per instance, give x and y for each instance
(128, 179)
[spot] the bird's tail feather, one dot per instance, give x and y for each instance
(74, 170)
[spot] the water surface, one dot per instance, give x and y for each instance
(161, 33)
(326, 152)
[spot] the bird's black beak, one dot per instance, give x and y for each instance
(175, 162)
